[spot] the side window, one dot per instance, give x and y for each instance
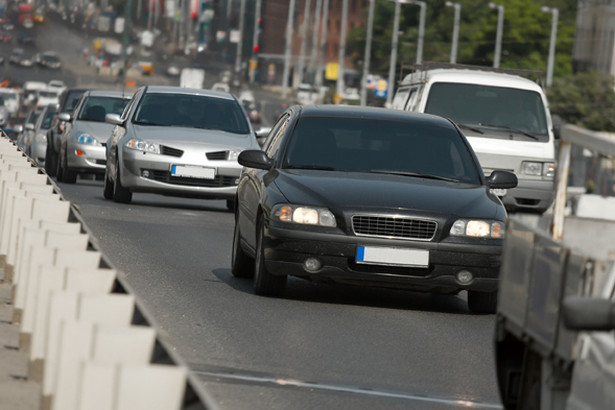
(129, 106)
(400, 98)
(412, 99)
(275, 136)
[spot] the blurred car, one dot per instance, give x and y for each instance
(25, 37)
(373, 197)
(37, 143)
(4, 115)
(29, 92)
(253, 109)
(57, 84)
(11, 100)
(20, 57)
(81, 145)
(68, 100)
(47, 96)
(26, 131)
(222, 87)
(49, 59)
(177, 141)
(5, 37)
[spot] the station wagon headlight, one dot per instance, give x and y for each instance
(306, 215)
(477, 228)
(144, 146)
(87, 139)
(545, 169)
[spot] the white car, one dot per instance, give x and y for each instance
(47, 96)
(222, 87)
(11, 98)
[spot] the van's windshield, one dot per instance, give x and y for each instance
(499, 111)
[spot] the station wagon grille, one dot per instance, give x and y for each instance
(218, 155)
(174, 152)
(394, 227)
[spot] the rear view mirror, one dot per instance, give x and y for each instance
(502, 180)
(64, 116)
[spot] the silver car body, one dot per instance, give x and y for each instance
(196, 159)
(37, 144)
(81, 146)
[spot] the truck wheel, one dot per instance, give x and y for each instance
(482, 302)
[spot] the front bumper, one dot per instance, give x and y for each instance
(86, 158)
(530, 195)
(287, 249)
(142, 172)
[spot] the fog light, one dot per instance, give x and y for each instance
(464, 277)
(312, 264)
(79, 153)
(145, 173)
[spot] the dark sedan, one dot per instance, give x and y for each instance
(369, 196)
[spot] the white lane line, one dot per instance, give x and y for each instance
(470, 404)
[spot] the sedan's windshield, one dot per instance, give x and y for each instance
(496, 108)
(405, 148)
(96, 108)
(193, 111)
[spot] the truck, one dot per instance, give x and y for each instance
(192, 78)
(556, 296)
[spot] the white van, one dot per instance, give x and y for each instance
(504, 116)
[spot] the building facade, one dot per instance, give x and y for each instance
(594, 44)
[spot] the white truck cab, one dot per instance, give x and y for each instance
(504, 116)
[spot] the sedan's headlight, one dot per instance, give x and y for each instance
(477, 228)
(301, 214)
(546, 169)
(144, 146)
(87, 139)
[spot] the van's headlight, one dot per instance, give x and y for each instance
(477, 228)
(144, 146)
(545, 169)
(302, 214)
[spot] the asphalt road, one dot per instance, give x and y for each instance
(317, 347)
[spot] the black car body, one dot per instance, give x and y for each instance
(68, 101)
(369, 196)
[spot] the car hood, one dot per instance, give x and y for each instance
(186, 138)
(98, 130)
(357, 191)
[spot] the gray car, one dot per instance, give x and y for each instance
(177, 141)
(81, 144)
(37, 143)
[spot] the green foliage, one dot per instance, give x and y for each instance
(585, 99)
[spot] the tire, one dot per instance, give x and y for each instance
(242, 266)
(120, 193)
(68, 175)
(107, 188)
(265, 284)
(482, 302)
(58, 167)
(50, 163)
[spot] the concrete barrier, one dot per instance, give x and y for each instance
(89, 341)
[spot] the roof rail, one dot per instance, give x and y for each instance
(537, 75)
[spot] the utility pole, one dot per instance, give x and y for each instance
(323, 42)
(304, 31)
(287, 47)
(339, 86)
(368, 51)
(242, 11)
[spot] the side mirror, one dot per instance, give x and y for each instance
(558, 123)
(18, 128)
(114, 119)
(502, 180)
(64, 116)
(255, 158)
(585, 313)
(29, 126)
(261, 135)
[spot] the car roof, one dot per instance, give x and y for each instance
(188, 91)
(355, 111)
(107, 93)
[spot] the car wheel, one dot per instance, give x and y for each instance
(265, 283)
(242, 266)
(482, 302)
(59, 170)
(120, 193)
(107, 187)
(68, 175)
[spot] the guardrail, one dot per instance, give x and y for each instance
(90, 341)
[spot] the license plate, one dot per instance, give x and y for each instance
(189, 171)
(376, 255)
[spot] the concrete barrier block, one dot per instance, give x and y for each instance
(35, 256)
(62, 307)
(74, 348)
(52, 279)
(114, 344)
(64, 227)
(63, 240)
(109, 309)
(97, 386)
(30, 236)
(22, 209)
(50, 209)
(90, 281)
(164, 389)
(6, 218)
(37, 188)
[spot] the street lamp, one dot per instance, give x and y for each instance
(555, 14)
(457, 8)
(339, 86)
(368, 51)
(395, 40)
(498, 35)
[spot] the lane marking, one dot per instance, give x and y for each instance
(470, 404)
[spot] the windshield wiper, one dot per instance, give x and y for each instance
(515, 130)
(318, 167)
(413, 174)
(149, 123)
(470, 127)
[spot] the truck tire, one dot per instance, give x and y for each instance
(482, 302)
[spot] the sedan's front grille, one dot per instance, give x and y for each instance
(218, 155)
(218, 181)
(394, 227)
(174, 152)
